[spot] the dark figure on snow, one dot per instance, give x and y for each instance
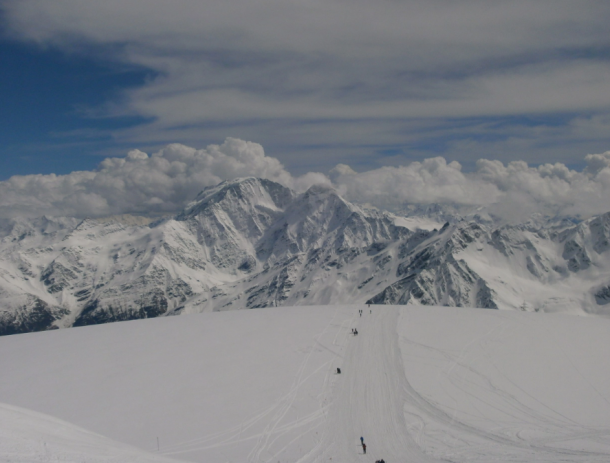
(338, 371)
(364, 448)
(355, 331)
(362, 440)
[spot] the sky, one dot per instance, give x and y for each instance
(371, 85)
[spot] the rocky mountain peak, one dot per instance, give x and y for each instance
(240, 193)
(251, 242)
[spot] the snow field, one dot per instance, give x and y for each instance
(27, 436)
(489, 385)
(212, 387)
(420, 384)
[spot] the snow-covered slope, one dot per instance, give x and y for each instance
(420, 384)
(253, 243)
(28, 437)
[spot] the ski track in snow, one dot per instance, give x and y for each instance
(265, 448)
(367, 397)
(421, 385)
(473, 444)
(265, 442)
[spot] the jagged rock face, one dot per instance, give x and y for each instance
(228, 220)
(431, 275)
(29, 313)
(253, 243)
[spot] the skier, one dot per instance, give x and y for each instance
(361, 440)
(355, 332)
(364, 448)
(338, 371)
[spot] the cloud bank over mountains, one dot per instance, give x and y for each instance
(165, 181)
(161, 183)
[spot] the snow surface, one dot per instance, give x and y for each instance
(418, 223)
(27, 436)
(420, 384)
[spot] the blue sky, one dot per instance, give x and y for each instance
(44, 102)
(316, 82)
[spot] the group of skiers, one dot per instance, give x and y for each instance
(360, 310)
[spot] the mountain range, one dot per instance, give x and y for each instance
(251, 243)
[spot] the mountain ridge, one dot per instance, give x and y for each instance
(250, 243)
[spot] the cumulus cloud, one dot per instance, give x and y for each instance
(161, 183)
(513, 191)
(165, 181)
(431, 181)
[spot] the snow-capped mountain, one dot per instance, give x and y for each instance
(252, 243)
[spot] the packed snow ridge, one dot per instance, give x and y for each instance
(251, 243)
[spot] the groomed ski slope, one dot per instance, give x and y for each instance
(420, 384)
(367, 397)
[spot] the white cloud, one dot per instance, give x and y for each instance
(167, 180)
(249, 67)
(513, 191)
(430, 181)
(140, 184)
